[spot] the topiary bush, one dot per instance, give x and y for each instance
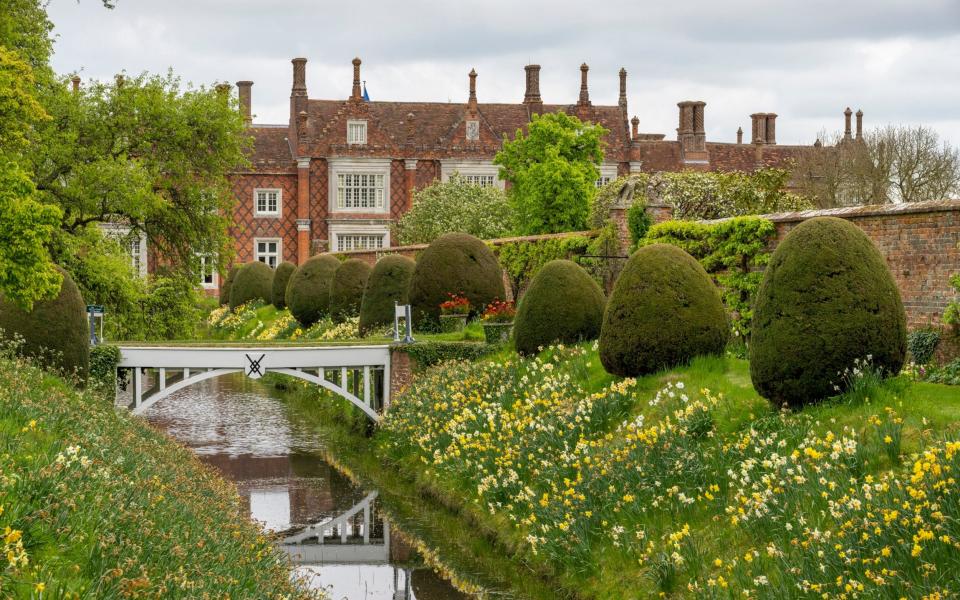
(227, 284)
(826, 300)
(308, 291)
(389, 283)
(346, 290)
(562, 304)
(455, 263)
(254, 280)
(664, 310)
(281, 277)
(56, 332)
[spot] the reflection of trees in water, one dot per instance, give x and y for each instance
(428, 586)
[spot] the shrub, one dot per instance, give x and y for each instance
(454, 263)
(523, 259)
(227, 284)
(427, 354)
(562, 304)
(346, 290)
(170, 308)
(664, 310)
(104, 359)
(826, 300)
(922, 343)
(281, 277)
(308, 291)
(389, 283)
(638, 223)
(253, 281)
(55, 332)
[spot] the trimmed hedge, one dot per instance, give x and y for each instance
(281, 277)
(389, 283)
(455, 263)
(427, 354)
(562, 304)
(227, 284)
(253, 281)
(56, 332)
(664, 310)
(826, 299)
(308, 291)
(346, 290)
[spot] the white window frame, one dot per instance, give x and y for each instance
(267, 213)
(121, 234)
(342, 166)
(278, 255)
(356, 132)
(208, 261)
(471, 168)
(608, 173)
(338, 230)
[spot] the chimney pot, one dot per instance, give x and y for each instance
(758, 130)
(531, 96)
(860, 124)
(357, 94)
(635, 127)
(119, 80)
(75, 80)
(739, 135)
(473, 89)
(299, 77)
(584, 90)
(847, 133)
(771, 128)
(623, 89)
(245, 93)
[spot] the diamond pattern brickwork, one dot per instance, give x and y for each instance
(246, 227)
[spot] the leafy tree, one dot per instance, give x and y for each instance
(455, 206)
(553, 172)
(713, 195)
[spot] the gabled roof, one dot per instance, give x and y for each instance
(271, 149)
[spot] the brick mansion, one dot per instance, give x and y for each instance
(340, 172)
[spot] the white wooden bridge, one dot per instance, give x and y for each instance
(359, 374)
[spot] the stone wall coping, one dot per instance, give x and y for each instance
(848, 212)
(493, 242)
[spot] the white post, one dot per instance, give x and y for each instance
(162, 378)
(343, 379)
(387, 382)
(137, 387)
(366, 385)
(366, 523)
(186, 373)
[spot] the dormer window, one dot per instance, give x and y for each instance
(356, 132)
(473, 130)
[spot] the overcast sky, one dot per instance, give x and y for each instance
(806, 60)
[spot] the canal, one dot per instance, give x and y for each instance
(335, 532)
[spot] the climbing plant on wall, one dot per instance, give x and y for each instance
(522, 259)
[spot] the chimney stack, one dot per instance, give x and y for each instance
(758, 130)
(531, 96)
(623, 91)
(472, 102)
(119, 80)
(739, 135)
(75, 80)
(223, 92)
(847, 133)
(244, 91)
(584, 90)
(357, 93)
(771, 123)
(691, 133)
(859, 125)
(634, 127)
(299, 77)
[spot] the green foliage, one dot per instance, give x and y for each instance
(553, 173)
(427, 354)
(951, 316)
(638, 223)
(281, 277)
(664, 311)
(104, 359)
(346, 290)
(228, 284)
(455, 263)
(922, 343)
(521, 260)
(948, 374)
(388, 284)
(622, 191)
(563, 304)
(169, 308)
(55, 332)
(690, 236)
(455, 206)
(253, 281)
(606, 242)
(826, 300)
(308, 291)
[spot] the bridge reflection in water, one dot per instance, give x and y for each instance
(334, 532)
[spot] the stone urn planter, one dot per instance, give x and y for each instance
(498, 333)
(453, 323)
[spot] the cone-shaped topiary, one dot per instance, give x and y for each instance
(55, 331)
(227, 284)
(389, 283)
(308, 291)
(664, 310)
(562, 304)
(454, 263)
(253, 281)
(346, 291)
(826, 300)
(281, 277)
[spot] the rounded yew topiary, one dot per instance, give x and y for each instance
(281, 277)
(562, 304)
(664, 310)
(388, 284)
(253, 281)
(55, 331)
(227, 284)
(308, 291)
(454, 263)
(346, 291)
(826, 300)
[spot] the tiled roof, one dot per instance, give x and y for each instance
(271, 149)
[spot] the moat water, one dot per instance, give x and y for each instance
(334, 531)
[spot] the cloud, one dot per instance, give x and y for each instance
(805, 61)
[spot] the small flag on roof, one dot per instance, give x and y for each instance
(366, 96)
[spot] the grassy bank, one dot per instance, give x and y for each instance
(96, 504)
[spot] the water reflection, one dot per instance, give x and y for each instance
(334, 531)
